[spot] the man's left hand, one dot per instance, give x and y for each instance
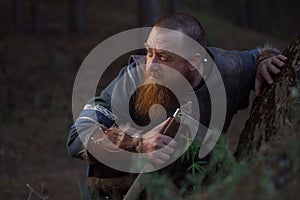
(265, 69)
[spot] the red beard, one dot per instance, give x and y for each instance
(150, 94)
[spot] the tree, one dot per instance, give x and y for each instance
(267, 158)
(77, 18)
(150, 12)
(18, 15)
(35, 8)
(174, 5)
(251, 14)
(269, 112)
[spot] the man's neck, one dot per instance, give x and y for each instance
(197, 80)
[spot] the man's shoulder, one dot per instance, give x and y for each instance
(223, 56)
(220, 55)
(227, 61)
(131, 74)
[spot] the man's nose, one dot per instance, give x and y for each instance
(153, 62)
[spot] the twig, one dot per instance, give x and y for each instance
(36, 193)
(43, 188)
(30, 194)
(136, 188)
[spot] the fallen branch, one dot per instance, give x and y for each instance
(31, 190)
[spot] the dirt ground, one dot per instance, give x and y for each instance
(37, 75)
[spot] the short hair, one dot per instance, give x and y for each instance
(184, 23)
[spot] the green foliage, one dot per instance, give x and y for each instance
(222, 160)
(158, 186)
(191, 154)
(268, 175)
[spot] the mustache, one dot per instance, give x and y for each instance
(154, 74)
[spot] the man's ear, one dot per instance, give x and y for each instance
(196, 63)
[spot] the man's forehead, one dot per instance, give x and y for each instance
(173, 41)
(165, 39)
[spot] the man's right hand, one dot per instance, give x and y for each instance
(153, 141)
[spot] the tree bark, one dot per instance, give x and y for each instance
(78, 16)
(18, 6)
(149, 12)
(269, 112)
(35, 7)
(174, 6)
(251, 14)
(241, 13)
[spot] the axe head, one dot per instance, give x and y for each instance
(198, 131)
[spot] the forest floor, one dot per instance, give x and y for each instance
(37, 75)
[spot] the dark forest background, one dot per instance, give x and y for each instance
(42, 45)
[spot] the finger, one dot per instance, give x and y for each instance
(258, 84)
(161, 155)
(108, 141)
(277, 62)
(265, 73)
(161, 127)
(120, 134)
(119, 138)
(167, 149)
(168, 141)
(157, 160)
(282, 57)
(168, 145)
(273, 69)
(103, 128)
(113, 140)
(114, 137)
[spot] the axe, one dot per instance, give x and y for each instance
(180, 117)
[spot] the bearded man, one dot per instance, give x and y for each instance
(131, 112)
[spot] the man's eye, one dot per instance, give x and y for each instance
(149, 53)
(164, 58)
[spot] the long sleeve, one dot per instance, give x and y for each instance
(96, 112)
(106, 110)
(247, 76)
(237, 69)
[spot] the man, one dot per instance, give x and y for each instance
(127, 117)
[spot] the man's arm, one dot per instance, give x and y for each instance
(95, 130)
(258, 66)
(96, 113)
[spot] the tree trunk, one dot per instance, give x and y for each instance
(35, 7)
(251, 14)
(269, 111)
(149, 12)
(254, 15)
(241, 13)
(18, 15)
(174, 6)
(78, 16)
